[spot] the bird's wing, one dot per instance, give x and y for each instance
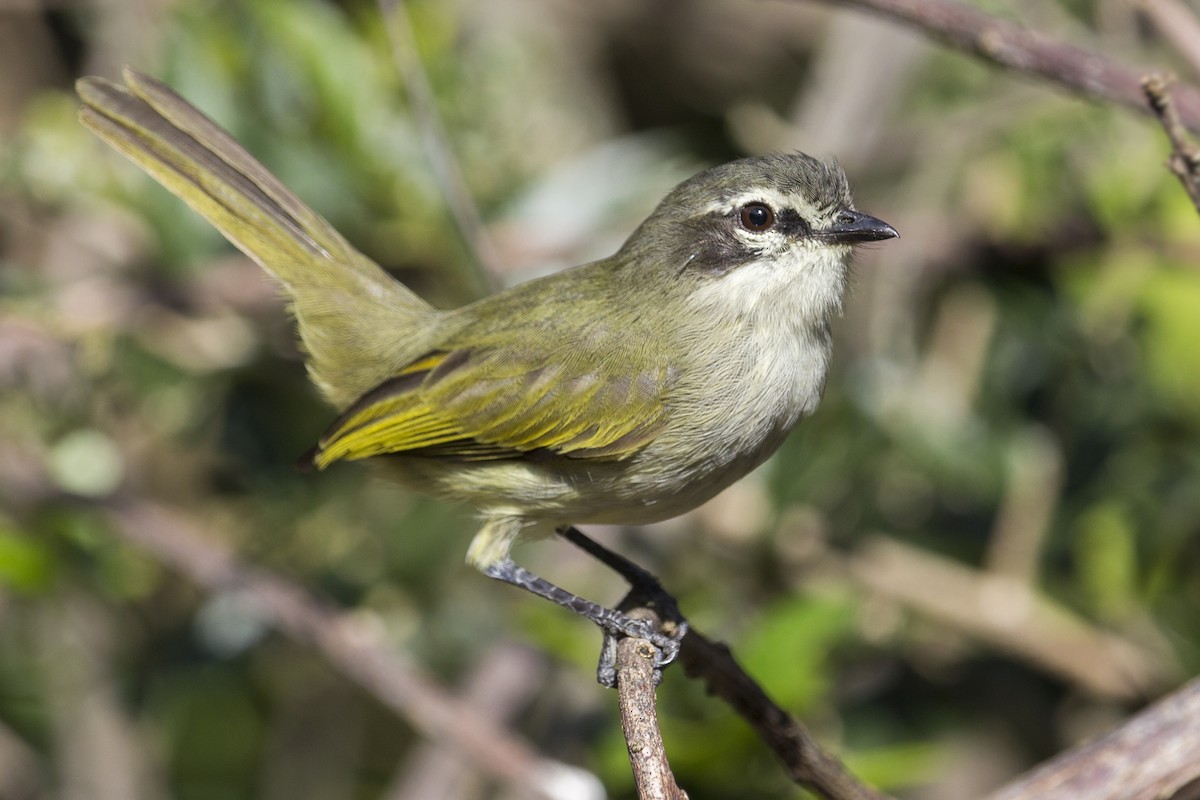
(481, 403)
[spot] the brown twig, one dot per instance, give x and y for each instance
(1184, 161)
(1153, 756)
(1009, 614)
(1178, 25)
(806, 763)
(499, 686)
(639, 719)
(172, 539)
(1022, 50)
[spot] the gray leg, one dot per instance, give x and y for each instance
(645, 591)
(645, 586)
(613, 622)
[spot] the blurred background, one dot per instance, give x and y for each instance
(982, 549)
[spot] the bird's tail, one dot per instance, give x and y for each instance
(353, 318)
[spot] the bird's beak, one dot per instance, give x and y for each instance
(853, 227)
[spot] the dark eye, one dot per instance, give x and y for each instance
(757, 217)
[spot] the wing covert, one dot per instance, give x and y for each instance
(483, 404)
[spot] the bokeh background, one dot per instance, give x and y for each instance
(982, 549)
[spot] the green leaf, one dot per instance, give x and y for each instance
(1171, 304)
(26, 565)
(788, 648)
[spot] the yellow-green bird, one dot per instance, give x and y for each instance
(627, 390)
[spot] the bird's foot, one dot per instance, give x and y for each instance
(666, 639)
(627, 620)
(645, 591)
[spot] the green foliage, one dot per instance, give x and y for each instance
(1106, 550)
(1168, 303)
(26, 565)
(790, 645)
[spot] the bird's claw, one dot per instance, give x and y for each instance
(666, 641)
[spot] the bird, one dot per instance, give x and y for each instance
(627, 390)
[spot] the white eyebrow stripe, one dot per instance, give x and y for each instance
(774, 199)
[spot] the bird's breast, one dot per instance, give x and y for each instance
(730, 410)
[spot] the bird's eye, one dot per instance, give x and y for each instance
(757, 217)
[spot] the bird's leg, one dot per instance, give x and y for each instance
(644, 585)
(645, 591)
(614, 622)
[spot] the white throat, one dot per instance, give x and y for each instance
(778, 310)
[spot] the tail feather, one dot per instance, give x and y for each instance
(355, 321)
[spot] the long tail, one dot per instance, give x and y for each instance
(355, 321)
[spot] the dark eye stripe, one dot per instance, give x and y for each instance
(792, 224)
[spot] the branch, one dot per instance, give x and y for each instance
(1011, 615)
(1178, 25)
(639, 719)
(1184, 161)
(500, 684)
(434, 138)
(1026, 51)
(806, 763)
(396, 683)
(1153, 756)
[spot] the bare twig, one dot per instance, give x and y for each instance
(806, 763)
(1022, 50)
(639, 719)
(1178, 25)
(499, 686)
(1185, 157)
(1153, 756)
(99, 753)
(435, 140)
(21, 772)
(1029, 504)
(396, 683)
(1010, 614)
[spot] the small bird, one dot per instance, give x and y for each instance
(628, 390)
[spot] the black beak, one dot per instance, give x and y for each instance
(854, 227)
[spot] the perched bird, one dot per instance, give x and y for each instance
(627, 390)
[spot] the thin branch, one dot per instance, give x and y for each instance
(806, 763)
(1184, 161)
(1155, 755)
(499, 686)
(1012, 615)
(1178, 25)
(639, 719)
(1026, 51)
(434, 138)
(173, 540)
